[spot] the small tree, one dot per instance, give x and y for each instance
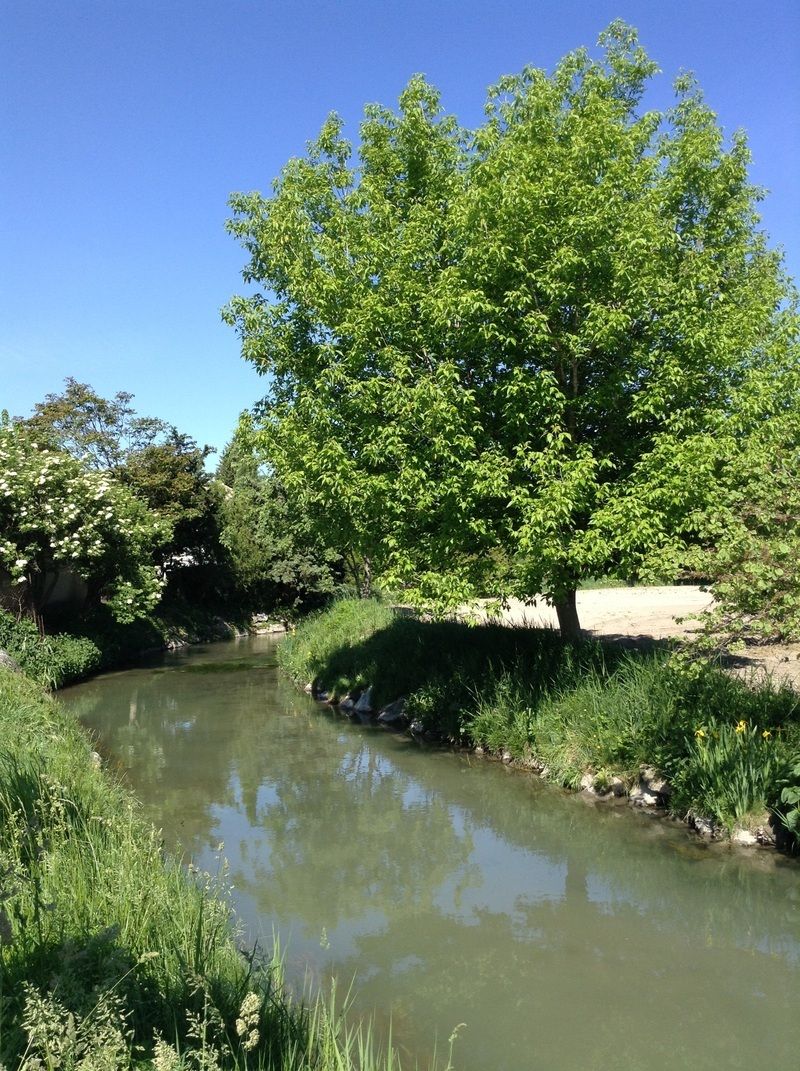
(56, 515)
(491, 341)
(277, 557)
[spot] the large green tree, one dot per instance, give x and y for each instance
(495, 343)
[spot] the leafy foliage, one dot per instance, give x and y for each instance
(55, 514)
(732, 771)
(100, 432)
(751, 542)
(50, 660)
(789, 810)
(512, 339)
(280, 561)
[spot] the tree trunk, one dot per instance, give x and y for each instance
(568, 616)
(366, 580)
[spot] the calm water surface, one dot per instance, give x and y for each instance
(563, 934)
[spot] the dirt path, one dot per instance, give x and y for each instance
(656, 612)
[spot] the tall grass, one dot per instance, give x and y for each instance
(574, 708)
(50, 660)
(111, 955)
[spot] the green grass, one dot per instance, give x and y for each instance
(575, 708)
(111, 955)
(96, 641)
(50, 660)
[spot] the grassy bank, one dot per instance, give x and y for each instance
(96, 642)
(111, 955)
(729, 751)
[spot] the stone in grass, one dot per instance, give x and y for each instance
(393, 713)
(346, 702)
(641, 796)
(652, 781)
(364, 702)
(701, 825)
(7, 662)
(587, 784)
(744, 837)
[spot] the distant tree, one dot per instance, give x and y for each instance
(101, 432)
(171, 478)
(56, 514)
(493, 339)
(276, 554)
(164, 468)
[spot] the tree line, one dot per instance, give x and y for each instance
(124, 504)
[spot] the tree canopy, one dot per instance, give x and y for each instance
(514, 346)
(101, 432)
(57, 515)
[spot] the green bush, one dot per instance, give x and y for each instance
(788, 810)
(51, 660)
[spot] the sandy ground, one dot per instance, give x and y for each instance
(622, 611)
(657, 613)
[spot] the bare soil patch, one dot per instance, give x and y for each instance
(656, 613)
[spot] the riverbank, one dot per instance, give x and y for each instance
(97, 643)
(112, 955)
(609, 719)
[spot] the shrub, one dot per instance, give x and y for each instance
(51, 660)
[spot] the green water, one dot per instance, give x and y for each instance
(564, 934)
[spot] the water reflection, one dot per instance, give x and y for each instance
(562, 933)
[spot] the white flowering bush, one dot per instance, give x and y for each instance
(56, 514)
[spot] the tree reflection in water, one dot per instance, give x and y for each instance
(564, 934)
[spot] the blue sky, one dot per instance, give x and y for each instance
(126, 124)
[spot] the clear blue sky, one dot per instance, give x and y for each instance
(126, 124)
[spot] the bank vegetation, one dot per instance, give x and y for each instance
(724, 752)
(113, 955)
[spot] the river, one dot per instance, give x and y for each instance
(564, 934)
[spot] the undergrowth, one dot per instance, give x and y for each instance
(51, 660)
(730, 749)
(97, 642)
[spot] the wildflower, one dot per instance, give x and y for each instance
(741, 727)
(247, 1023)
(766, 734)
(700, 734)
